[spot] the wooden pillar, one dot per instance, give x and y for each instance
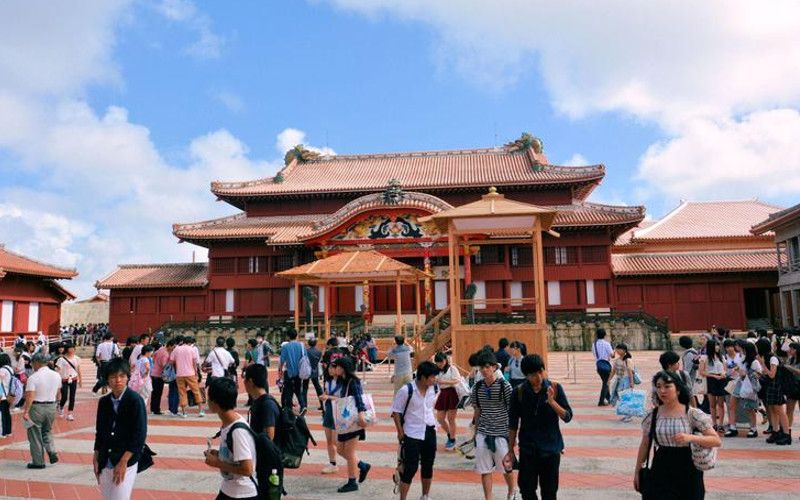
(467, 265)
(419, 306)
(397, 327)
(540, 329)
(297, 303)
(455, 304)
(327, 311)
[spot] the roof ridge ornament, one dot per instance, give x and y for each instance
(394, 193)
(302, 154)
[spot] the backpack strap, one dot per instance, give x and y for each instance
(229, 442)
(410, 390)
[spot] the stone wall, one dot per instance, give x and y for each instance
(83, 313)
(567, 336)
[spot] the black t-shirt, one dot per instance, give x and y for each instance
(264, 413)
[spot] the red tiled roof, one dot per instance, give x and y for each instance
(280, 229)
(183, 275)
(712, 219)
(694, 262)
(791, 214)
(473, 168)
(12, 262)
(293, 229)
(68, 295)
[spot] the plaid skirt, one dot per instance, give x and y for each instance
(773, 395)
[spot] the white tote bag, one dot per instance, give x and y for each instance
(345, 413)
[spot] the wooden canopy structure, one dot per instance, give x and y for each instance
(358, 268)
(494, 220)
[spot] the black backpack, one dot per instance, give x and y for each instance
(268, 458)
(292, 436)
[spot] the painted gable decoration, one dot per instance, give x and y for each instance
(384, 227)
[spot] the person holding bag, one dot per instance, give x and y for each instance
(447, 403)
(602, 351)
(745, 392)
(681, 437)
(347, 443)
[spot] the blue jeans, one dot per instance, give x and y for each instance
(172, 397)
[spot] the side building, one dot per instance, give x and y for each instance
(316, 206)
(701, 266)
(30, 294)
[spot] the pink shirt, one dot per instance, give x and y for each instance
(160, 358)
(185, 359)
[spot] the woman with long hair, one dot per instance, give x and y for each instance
(750, 369)
(712, 367)
(623, 368)
(672, 471)
(773, 394)
(344, 376)
(447, 403)
(68, 365)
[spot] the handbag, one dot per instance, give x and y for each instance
(636, 378)
(345, 413)
(645, 474)
(603, 365)
(703, 458)
(145, 459)
(168, 373)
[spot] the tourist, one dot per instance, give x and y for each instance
(672, 471)
(513, 372)
(690, 356)
(18, 362)
(490, 399)
(712, 367)
(230, 346)
(105, 352)
(502, 354)
(54, 351)
(136, 352)
(185, 359)
(603, 352)
(160, 360)
(41, 393)
(264, 413)
(170, 376)
(264, 350)
(372, 349)
(623, 369)
(69, 367)
(412, 413)
(220, 360)
(401, 355)
(121, 430)
(130, 342)
(774, 399)
(144, 366)
(447, 403)
(332, 389)
(314, 357)
(347, 444)
(6, 399)
(42, 338)
(750, 368)
(671, 362)
(536, 407)
(793, 365)
(291, 354)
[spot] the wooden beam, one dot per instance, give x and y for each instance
(297, 305)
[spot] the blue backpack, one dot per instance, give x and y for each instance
(15, 388)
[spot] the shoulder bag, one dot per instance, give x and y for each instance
(703, 458)
(603, 365)
(646, 485)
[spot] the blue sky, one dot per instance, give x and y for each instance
(115, 115)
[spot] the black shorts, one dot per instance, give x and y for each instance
(415, 452)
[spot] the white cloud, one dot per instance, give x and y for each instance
(209, 44)
(291, 137)
(576, 160)
(231, 101)
(706, 73)
(757, 155)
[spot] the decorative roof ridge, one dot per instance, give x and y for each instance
(37, 261)
(161, 265)
(206, 223)
(243, 216)
(624, 209)
(740, 251)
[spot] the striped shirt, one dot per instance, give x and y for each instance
(493, 401)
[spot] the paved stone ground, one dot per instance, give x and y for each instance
(597, 464)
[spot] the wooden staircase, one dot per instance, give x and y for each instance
(441, 337)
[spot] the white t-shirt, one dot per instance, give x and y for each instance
(5, 382)
(66, 371)
(106, 351)
(419, 414)
(220, 359)
(44, 383)
(244, 448)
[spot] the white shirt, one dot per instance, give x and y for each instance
(602, 350)
(419, 414)
(66, 371)
(106, 351)
(244, 448)
(135, 353)
(5, 382)
(220, 359)
(44, 384)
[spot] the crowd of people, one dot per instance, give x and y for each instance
(516, 408)
(83, 334)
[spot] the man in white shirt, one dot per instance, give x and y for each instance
(42, 338)
(137, 349)
(220, 359)
(105, 352)
(42, 390)
(412, 412)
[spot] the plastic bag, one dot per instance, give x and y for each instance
(345, 413)
(747, 390)
(632, 403)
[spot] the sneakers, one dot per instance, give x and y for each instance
(753, 433)
(348, 487)
(201, 414)
(70, 417)
(732, 433)
(60, 412)
(183, 415)
(450, 445)
(363, 470)
(330, 469)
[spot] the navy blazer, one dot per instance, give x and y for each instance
(120, 431)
